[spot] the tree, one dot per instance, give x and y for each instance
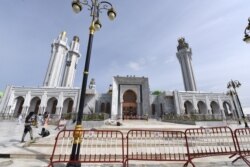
(156, 92)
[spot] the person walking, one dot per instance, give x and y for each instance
(45, 119)
(40, 119)
(27, 126)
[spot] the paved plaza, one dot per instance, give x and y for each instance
(16, 154)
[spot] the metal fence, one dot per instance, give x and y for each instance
(97, 146)
(214, 141)
(242, 137)
(108, 146)
(152, 145)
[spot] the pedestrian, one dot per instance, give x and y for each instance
(27, 126)
(40, 119)
(34, 120)
(44, 132)
(45, 118)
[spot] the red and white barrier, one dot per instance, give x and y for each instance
(97, 146)
(242, 137)
(107, 146)
(213, 141)
(152, 145)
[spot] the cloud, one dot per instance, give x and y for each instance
(135, 66)
(170, 60)
(139, 64)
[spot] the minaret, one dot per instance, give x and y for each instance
(57, 60)
(71, 63)
(184, 55)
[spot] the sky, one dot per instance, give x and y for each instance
(141, 41)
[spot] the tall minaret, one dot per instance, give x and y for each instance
(184, 55)
(71, 63)
(57, 60)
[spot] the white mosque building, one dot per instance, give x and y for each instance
(128, 95)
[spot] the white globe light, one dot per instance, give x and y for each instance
(247, 39)
(98, 25)
(111, 15)
(76, 7)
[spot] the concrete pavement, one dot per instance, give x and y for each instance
(16, 154)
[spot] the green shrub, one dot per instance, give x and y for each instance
(94, 117)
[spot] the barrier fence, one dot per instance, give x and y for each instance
(242, 137)
(97, 146)
(103, 146)
(151, 145)
(214, 141)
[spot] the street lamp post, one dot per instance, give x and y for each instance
(236, 84)
(95, 7)
(247, 32)
(230, 92)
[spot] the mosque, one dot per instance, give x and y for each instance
(127, 96)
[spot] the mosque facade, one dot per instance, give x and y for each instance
(127, 96)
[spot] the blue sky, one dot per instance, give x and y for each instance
(141, 41)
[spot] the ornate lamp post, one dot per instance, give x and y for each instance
(232, 85)
(231, 93)
(95, 7)
(247, 32)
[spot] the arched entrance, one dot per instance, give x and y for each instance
(34, 105)
(102, 107)
(108, 108)
(153, 109)
(67, 106)
(19, 106)
(227, 109)
(215, 108)
(202, 108)
(129, 106)
(51, 105)
(189, 108)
